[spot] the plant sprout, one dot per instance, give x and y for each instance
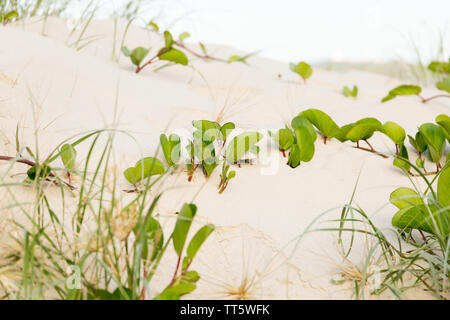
(395, 132)
(420, 146)
(68, 156)
(303, 69)
(225, 177)
(350, 93)
(434, 137)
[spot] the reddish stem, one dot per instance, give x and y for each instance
(325, 140)
(425, 100)
(371, 148)
(284, 153)
(176, 271)
(396, 149)
(139, 68)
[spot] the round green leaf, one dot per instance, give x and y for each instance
(395, 132)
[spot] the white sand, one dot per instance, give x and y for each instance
(75, 91)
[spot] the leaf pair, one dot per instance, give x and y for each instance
(144, 168)
(225, 177)
(322, 121)
(284, 138)
(350, 93)
(171, 147)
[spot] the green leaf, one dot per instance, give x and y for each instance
(305, 142)
(413, 217)
(240, 145)
(143, 169)
(153, 25)
(68, 155)
(400, 160)
(403, 90)
(209, 130)
(138, 55)
(176, 291)
(443, 187)
(439, 67)
(183, 35)
(226, 129)
(294, 156)
(202, 46)
(363, 129)
(154, 237)
(394, 131)
(405, 197)
(171, 148)
(444, 85)
(198, 240)
(168, 39)
(418, 142)
(435, 138)
(173, 55)
(353, 93)
(11, 15)
(182, 226)
(301, 121)
(303, 69)
(126, 52)
(420, 163)
(343, 131)
(284, 138)
(322, 121)
(444, 121)
(44, 171)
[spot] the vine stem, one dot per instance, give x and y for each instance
(31, 164)
(176, 272)
(425, 100)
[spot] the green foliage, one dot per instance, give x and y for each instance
(418, 142)
(182, 226)
(137, 55)
(9, 16)
(240, 145)
(303, 69)
(226, 129)
(443, 121)
(432, 216)
(434, 137)
(171, 148)
(225, 177)
(294, 156)
(153, 25)
(302, 121)
(444, 85)
(350, 93)
(403, 90)
(439, 67)
(284, 138)
(144, 168)
(362, 129)
(41, 171)
(173, 55)
(198, 240)
(68, 156)
(394, 131)
(183, 36)
(323, 122)
(402, 160)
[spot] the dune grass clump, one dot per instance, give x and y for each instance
(96, 244)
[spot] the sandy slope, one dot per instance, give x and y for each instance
(73, 91)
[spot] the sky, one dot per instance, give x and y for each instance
(313, 30)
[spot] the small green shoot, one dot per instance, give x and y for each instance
(143, 169)
(350, 93)
(303, 69)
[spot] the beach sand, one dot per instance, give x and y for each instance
(51, 90)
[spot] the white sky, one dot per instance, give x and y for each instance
(314, 30)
